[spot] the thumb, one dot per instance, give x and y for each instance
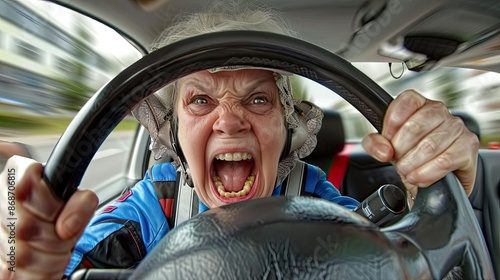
(378, 147)
(467, 179)
(76, 214)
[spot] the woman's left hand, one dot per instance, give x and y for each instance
(425, 142)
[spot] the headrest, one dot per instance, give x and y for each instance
(469, 121)
(330, 137)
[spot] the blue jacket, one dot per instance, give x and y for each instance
(128, 229)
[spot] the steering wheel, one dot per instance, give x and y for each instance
(278, 237)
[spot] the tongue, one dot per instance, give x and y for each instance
(233, 174)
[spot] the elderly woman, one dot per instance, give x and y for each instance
(230, 128)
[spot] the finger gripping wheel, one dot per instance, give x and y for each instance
(439, 233)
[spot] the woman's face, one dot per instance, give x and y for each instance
(232, 133)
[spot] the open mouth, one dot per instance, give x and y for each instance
(233, 175)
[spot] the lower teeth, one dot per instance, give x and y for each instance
(246, 188)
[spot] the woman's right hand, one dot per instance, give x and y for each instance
(38, 230)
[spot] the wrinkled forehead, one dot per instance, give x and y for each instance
(239, 80)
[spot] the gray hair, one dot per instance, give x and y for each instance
(225, 16)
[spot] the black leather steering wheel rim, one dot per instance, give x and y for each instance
(445, 201)
(98, 117)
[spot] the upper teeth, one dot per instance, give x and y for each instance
(233, 156)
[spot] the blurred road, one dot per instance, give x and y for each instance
(109, 161)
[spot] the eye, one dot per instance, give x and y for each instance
(260, 103)
(201, 104)
(259, 100)
(199, 100)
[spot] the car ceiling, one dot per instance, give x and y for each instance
(423, 33)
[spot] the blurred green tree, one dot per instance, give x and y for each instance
(73, 93)
(72, 88)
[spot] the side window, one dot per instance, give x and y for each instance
(2, 40)
(52, 61)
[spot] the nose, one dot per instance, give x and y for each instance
(231, 121)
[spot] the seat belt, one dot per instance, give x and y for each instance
(295, 183)
(186, 203)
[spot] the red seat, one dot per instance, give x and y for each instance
(331, 153)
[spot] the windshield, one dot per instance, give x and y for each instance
(52, 60)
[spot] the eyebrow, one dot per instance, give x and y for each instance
(257, 82)
(197, 84)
